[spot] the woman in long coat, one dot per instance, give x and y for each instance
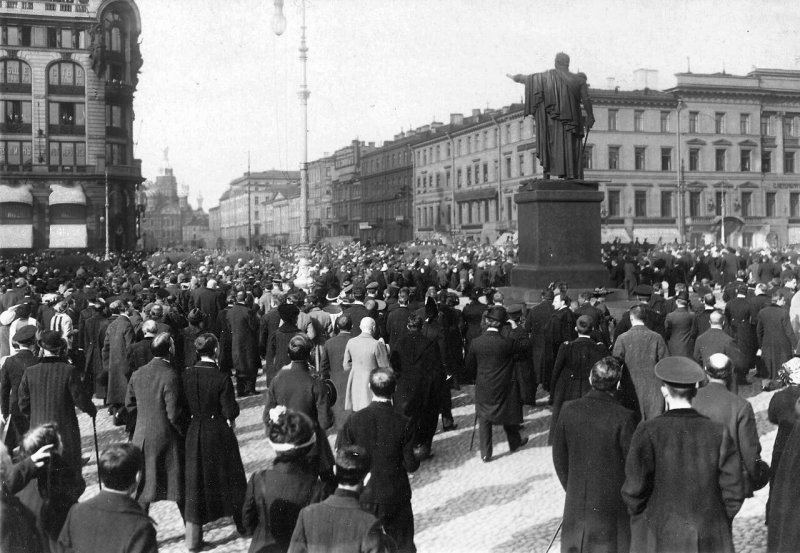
(781, 411)
(94, 338)
(215, 478)
(783, 526)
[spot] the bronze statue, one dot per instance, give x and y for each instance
(554, 99)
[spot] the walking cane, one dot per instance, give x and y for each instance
(97, 452)
(554, 536)
(474, 424)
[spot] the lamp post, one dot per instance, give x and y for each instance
(279, 27)
(108, 240)
(681, 183)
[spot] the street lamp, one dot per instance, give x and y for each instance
(278, 27)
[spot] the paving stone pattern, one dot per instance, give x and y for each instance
(460, 504)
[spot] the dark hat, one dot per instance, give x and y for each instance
(584, 323)
(643, 290)
(195, 316)
(679, 371)
(497, 313)
(548, 295)
(372, 285)
(288, 312)
(742, 289)
(515, 309)
(332, 294)
(25, 334)
(359, 289)
(683, 295)
(51, 340)
(91, 294)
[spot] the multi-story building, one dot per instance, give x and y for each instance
(387, 180)
(281, 221)
(320, 198)
(215, 229)
(466, 174)
(240, 206)
(68, 72)
(346, 187)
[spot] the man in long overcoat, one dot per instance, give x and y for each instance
(417, 361)
(682, 478)
(680, 329)
(491, 358)
(715, 340)
(571, 370)
(537, 320)
(560, 330)
(640, 349)
(775, 335)
(590, 444)
(119, 336)
(50, 391)
(94, 336)
(210, 301)
(278, 345)
(154, 394)
(11, 370)
(741, 322)
(333, 367)
(243, 323)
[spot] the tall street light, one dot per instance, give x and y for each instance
(279, 27)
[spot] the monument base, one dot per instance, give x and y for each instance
(559, 234)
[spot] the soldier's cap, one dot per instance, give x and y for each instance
(25, 334)
(514, 309)
(643, 290)
(372, 285)
(584, 323)
(680, 372)
(741, 289)
(497, 313)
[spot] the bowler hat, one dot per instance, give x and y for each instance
(51, 341)
(497, 313)
(680, 371)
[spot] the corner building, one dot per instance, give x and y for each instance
(68, 73)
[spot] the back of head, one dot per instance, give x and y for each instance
(299, 348)
(344, 323)
(161, 345)
(719, 366)
(352, 464)
(382, 382)
(710, 300)
(150, 327)
(605, 374)
(40, 436)
(206, 344)
(367, 325)
(289, 431)
(637, 313)
(118, 465)
(716, 317)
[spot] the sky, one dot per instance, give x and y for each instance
(218, 86)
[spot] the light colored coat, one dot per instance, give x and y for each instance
(362, 354)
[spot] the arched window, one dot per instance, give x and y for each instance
(66, 75)
(15, 74)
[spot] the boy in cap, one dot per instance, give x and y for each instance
(11, 370)
(682, 475)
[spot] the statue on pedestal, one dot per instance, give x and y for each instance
(554, 99)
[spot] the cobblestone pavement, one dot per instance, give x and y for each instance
(460, 504)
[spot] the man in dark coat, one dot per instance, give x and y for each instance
(243, 323)
(417, 361)
(333, 367)
(140, 353)
(94, 335)
(640, 349)
(571, 370)
(154, 394)
(561, 330)
(50, 391)
(680, 330)
(118, 337)
(278, 345)
(741, 320)
(682, 474)
(590, 444)
(11, 372)
(295, 388)
(388, 438)
(471, 317)
(775, 337)
(491, 358)
(397, 318)
(537, 320)
(783, 518)
(112, 520)
(718, 404)
(210, 301)
(715, 340)
(524, 373)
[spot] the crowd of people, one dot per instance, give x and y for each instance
(361, 347)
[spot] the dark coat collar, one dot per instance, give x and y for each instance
(117, 503)
(600, 396)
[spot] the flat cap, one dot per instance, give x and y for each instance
(24, 334)
(643, 290)
(680, 371)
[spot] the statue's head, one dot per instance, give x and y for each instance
(562, 60)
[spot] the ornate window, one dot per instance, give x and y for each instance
(66, 77)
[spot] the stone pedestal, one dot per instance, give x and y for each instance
(559, 234)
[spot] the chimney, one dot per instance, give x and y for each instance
(610, 82)
(371, 144)
(436, 124)
(456, 119)
(399, 135)
(424, 128)
(646, 78)
(476, 113)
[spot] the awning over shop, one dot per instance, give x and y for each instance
(15, 194)
(479, 194)
(67, 195)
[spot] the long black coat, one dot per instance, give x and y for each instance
(593, 433)
(783, 527)
(560, 330)
(682, 484)
(210, 302)
(332, 367)
(524, 372)
(491, 359)
(243, 323)
(118, 337)
(571, 373)
(775, 337)
(215, 478)
(278, 349)
(537, 321)
(10, 376)
(49, 392)
(741, 319)
(95, 335)
(154, 395)
(781, 411)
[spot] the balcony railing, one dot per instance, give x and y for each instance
(16, 128)
(66, 129)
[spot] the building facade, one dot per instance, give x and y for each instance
(68, 73)
(281, 221)
(320, 198)
(387, 181)
(346, 189)
(241, 218)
